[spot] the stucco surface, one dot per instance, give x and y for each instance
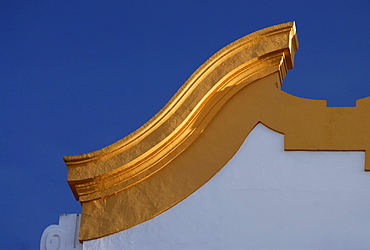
(265, 198)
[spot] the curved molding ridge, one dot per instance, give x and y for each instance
(202, 127)
(255, 55)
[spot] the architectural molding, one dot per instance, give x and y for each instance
(63, 236)
(202, 127)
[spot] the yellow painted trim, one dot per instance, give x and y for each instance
(202, 127)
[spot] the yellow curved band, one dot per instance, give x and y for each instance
(202, 127)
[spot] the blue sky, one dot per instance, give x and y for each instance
(77, 76)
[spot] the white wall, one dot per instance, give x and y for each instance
(265, 198)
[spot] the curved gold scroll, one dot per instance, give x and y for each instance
(202, 127)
